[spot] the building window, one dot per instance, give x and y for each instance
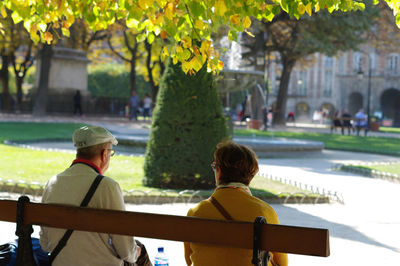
(328, 62)
(328, 83)
(302, 83)
(372, 57)
(392, 64)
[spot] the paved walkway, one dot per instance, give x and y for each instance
(364, 231)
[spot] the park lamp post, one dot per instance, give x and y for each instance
(360, 74)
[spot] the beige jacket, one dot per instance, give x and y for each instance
(86, 248)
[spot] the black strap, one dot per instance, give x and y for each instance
(220, 208)
(63, 241)
(265, 256)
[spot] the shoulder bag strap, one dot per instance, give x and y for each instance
(227, 216)
(220, 208)
(63, 241)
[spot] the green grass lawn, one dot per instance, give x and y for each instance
(393, 168)
(381, 145)
(37, 131)
(389, 168)
(39, 166)
(390, 129)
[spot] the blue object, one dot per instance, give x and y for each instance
(161, 258)
(8, 256)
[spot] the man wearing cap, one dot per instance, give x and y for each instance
(94, 149)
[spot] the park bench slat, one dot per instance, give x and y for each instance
(280, 238)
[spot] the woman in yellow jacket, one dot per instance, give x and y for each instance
(234, 167)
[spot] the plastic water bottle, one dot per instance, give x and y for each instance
(161, 259)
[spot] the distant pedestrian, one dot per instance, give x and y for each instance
(346, 122)
(77, 103)
(126, 111)
(147, 106)
(290, 117)
(361, 122)
(336, 121)
(134, 101)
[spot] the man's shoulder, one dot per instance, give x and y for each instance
(109, 180)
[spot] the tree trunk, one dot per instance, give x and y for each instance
(18, 82)
(4, 76)
(132, 75)
(279, 117)
(154, 88)
(40, 106)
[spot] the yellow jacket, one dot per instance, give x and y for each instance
(242, 207)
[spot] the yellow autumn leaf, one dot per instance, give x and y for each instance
(165, 50)
(301, 8)
(48, 37)
(65, 32)
(3, 11)
(239, 4)
(246, 22)
(187, 42)
(174, 60)
(161, 2)
(42, 27)
(186, 66)
(33, 29)
(203, 58)
(163, 34)
(317, 7)
(178, 49)
(35, 38)
(70, 20)
(249, 33)
(235, 19)
(56, 25)
(199, 24)
(159, 19)
(144, 4)
(309, 9)
(220, 65)
(220, 8)
(169, 11)
(196, 50)
(186, 54)
(132, 23)
(196, 63)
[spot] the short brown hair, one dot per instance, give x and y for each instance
(90, 152)
(237, 163)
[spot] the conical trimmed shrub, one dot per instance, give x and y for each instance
(188, 122)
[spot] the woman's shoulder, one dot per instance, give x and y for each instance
(266, 210)
(201, 209)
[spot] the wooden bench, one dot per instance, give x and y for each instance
(256, 236)
(351, 128)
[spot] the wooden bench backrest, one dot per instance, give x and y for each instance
(280, 238)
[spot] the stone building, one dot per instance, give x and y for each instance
(343, 82)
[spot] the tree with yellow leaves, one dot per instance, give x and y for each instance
(177, 21)
(16, 50)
